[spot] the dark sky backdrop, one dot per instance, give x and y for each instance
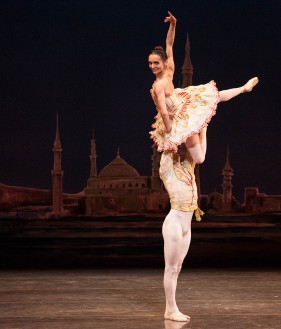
(87, 61)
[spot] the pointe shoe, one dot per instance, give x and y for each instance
(250, 84)
(176, 316)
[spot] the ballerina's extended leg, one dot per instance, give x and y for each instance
(227, 94)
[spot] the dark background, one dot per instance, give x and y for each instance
(87, 61)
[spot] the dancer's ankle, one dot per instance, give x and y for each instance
(250, 85)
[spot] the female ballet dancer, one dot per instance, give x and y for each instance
(182, 117)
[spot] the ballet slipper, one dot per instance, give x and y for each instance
(188, 317)
(175, 325)
(250, 85)
(176, 316)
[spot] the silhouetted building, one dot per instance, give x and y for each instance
(24, 199)
(93, 158)
(57, 175)
(227, 186)
(261, 202)
(224, 201)
(187, 68)
(119, 188)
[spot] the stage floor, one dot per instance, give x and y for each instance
(133, 298)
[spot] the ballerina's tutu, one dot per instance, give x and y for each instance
(193, 108)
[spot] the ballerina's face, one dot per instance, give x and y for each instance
(156, 64)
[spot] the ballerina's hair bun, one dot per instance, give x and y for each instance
(160, 51)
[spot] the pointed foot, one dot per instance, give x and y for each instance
(250, 85)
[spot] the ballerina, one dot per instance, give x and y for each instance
(182, 113)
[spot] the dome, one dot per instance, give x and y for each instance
(118, 168)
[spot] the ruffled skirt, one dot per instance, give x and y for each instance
(194, 107)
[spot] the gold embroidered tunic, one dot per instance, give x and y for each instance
(180, 183)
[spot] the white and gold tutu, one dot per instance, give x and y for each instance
(193, 108)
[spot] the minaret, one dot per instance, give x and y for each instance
(187, 73)
(156, 183)
(227, 173)
(187, 68)
(93, 158)
(57, 175)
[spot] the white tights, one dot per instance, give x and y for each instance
(226, 95)
(177, 236)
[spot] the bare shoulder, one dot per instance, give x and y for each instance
(159, 85)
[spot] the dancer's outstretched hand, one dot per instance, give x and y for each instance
(171, 19)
